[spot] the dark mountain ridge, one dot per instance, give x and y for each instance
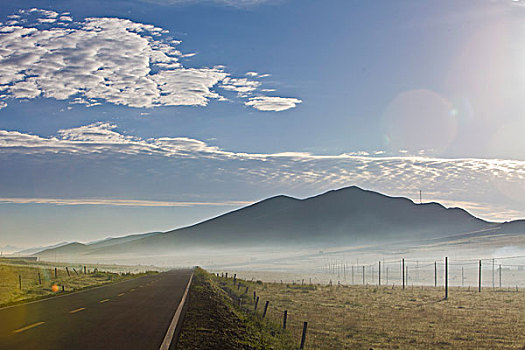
(345, 216)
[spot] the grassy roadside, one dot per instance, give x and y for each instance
(214, 319)
(34, 288)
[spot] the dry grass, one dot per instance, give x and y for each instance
(10, 292)
(214, 321)
(358, 317)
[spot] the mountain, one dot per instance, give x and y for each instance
(341, 217)
(76, 248)
(8, 249)
(30, 251)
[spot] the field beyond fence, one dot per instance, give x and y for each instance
(387, 316)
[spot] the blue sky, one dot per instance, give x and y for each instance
(132, 116)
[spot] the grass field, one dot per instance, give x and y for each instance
(359, 317)
(14, 271)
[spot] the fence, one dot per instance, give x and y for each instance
(498, 273)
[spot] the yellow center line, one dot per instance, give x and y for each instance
(121, 294)
(104, 300)
(77, 310)
(28, 327)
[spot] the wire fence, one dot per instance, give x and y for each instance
(501, 272)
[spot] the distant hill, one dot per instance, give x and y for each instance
(341, 217)
(76, 248)
(35, 250)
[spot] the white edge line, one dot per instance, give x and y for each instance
(171, 330)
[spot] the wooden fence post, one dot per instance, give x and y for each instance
(256, 302)
(493, 285)
(379, 275)
(285, 316)
(303, 338)
(265, 308)
(39, 279)
(84, 269)
(20, 281)
(446, 278)
(234, 278)
(403, 271)
(67, 270)
(479, 277)
(254, 295)
(55, 272)
(500, 275)
(435, 274)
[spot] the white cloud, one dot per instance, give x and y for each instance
(256, 75)
(240, 85)
(234, 3)
(108, 60)
(272, 103)
(116, 202)
(495, 188)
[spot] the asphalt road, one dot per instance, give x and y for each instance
(134, 314)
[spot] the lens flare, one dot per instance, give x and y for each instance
(418, 120)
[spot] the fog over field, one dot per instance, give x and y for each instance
(326, 237)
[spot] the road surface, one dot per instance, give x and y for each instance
(134, 314)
